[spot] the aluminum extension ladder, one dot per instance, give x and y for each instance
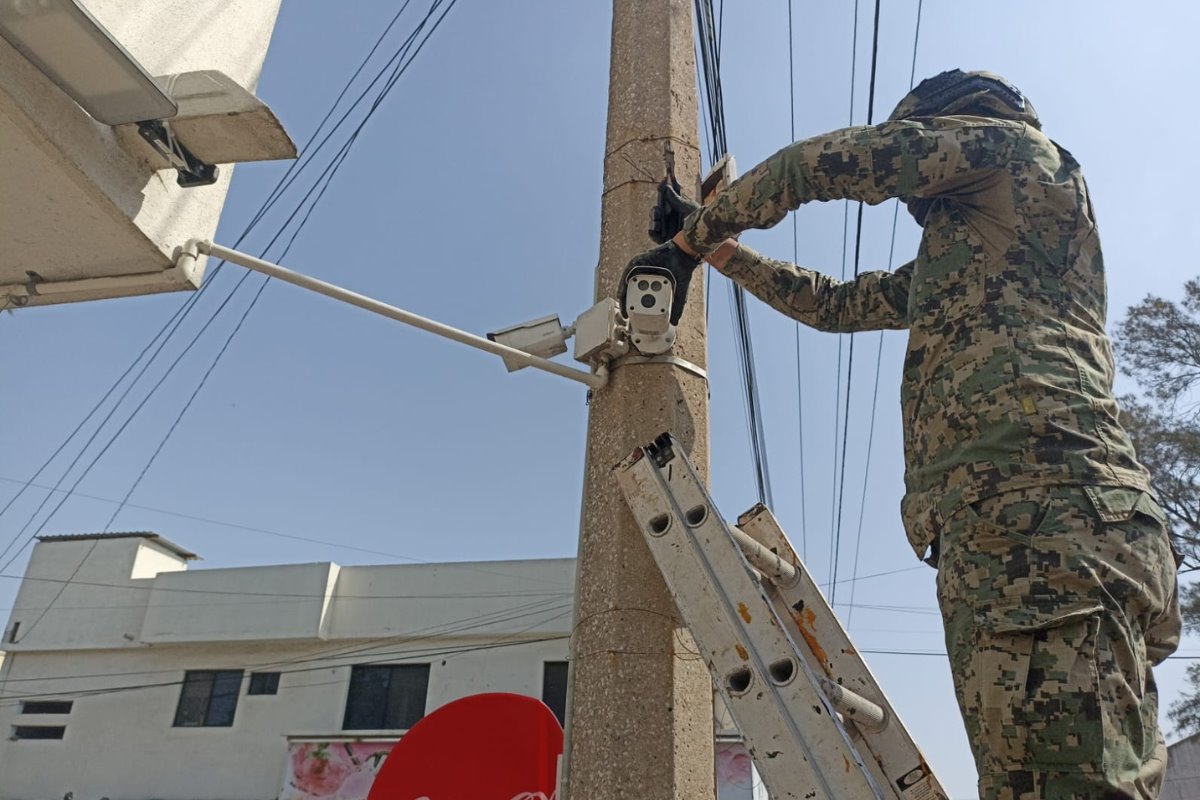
(814, 719)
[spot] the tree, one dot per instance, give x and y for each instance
(1184, 713)
(1169, 446)
(1159, 347)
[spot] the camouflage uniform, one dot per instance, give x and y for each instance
(1056, 577)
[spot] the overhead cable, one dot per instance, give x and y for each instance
(171, 326)
(837, 393)
(850, 357)
(455, 627)
(406, 49)
(327, 176)
(709, 48)
(796, 260)
(383, 658)
(912, 75)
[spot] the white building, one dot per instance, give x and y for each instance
(130, 677)
(1182, 781)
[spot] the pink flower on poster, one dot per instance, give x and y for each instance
(332, 770)
(319, 769)
(735, 780)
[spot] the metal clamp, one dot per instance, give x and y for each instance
(683, 364)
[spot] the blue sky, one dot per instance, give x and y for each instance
(472, 197)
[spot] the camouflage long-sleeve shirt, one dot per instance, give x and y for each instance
(1008, 374)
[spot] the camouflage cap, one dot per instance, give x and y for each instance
(983, 94)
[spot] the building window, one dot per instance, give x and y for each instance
(38, 731)
(208, 698)
(47, 706)
(264, 683)
(554, 688)
(386, 697)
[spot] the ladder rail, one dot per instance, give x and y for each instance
(789, 726)
(823, 636)
(813, 716)
(755, 657)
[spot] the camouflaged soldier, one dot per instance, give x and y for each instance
(1055, 575)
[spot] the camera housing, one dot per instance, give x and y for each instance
(543, 337)
(648, 297)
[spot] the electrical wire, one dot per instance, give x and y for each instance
(285, 182)
(173, 326)
(708, 45)
(282, 535)
(311, 596)
(850, 357)
(385, 658)
(912, 76)
(95, 408)
(291, 597)
(837, 393)
(112, 440)
(401, 66)
(281, 186)
(796, 259)
(455, 627)
(296, 167)
(370, 647)
(296, 595)
(57, 594)
(378, 658)
(289, 176)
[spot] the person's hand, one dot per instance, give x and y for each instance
(669, 260)
(666, 218)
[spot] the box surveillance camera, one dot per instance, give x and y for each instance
(542, 337)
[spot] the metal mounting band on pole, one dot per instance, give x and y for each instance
(683, 364)
(193, 247)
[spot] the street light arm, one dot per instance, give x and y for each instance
(195, 247)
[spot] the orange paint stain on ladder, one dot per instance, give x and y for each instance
(744, 612)
(806, 621)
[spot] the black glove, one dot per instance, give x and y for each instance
(666, 218)
(668, 260)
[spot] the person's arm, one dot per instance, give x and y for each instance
(872, 301)
(933, 158)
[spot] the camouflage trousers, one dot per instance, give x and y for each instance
(1057, 600)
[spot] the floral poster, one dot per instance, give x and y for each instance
(736, 778)
(332, 770)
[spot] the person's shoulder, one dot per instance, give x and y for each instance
(983, 140)
(963, 122)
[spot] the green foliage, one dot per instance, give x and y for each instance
(1169, 446)
(1184, 713)
(1159, 346)
(1158, 343)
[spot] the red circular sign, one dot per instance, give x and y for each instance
(483, 747)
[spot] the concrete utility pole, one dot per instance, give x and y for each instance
(641, 709)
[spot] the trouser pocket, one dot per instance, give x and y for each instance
(1037, 690)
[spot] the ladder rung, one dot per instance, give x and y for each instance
(768, 563)
(856, 708)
